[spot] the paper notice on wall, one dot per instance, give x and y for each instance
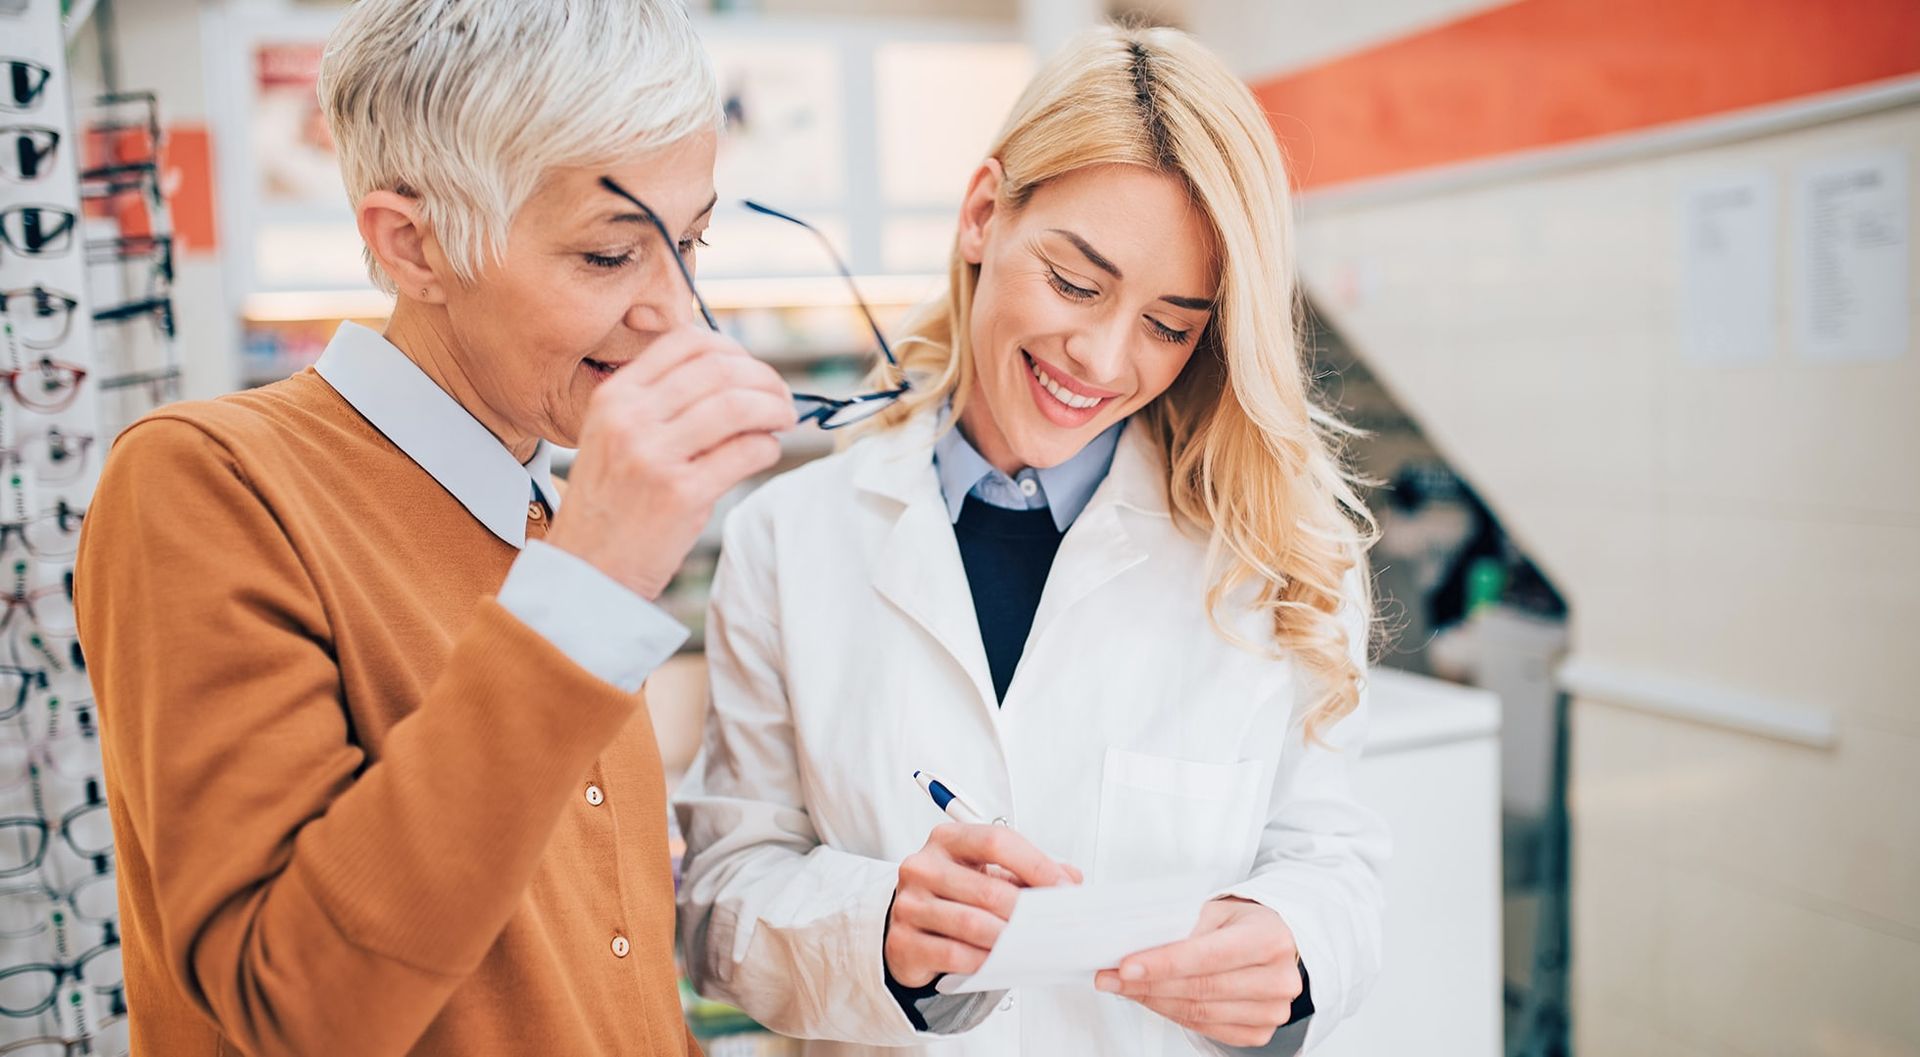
(1850, 297)
(1728, 260)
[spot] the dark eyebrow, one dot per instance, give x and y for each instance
(1092, 254)
(1204, 304)
(634, 216)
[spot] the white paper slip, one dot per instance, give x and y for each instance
(1065, 935)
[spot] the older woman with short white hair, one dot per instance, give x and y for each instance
(380, 773)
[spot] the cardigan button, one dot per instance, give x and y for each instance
(621, 946)
(595, 797)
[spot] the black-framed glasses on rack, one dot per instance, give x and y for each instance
(55, 455)
(41, 317)
(30, 990)
(112, 181)
(25, 82)
(88, 1045)
(26, 151)
(46, 385)
(158, 304)
(17, 684)
(57, 651)
(71, 754)
(134, 248)
(93, 897)
(26, 911)
(23, 845)
(71, 746)
(160, 308)
(108, 1038)
(118, 119)
(823, 411)
(53, 533)
(162, 383)
(37, 230)
(123, 135)
(87, 829)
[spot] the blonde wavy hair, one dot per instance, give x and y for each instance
(1254, 461)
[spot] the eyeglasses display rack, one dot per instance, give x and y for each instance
(87, 320)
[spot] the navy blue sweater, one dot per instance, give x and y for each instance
(1007, 554)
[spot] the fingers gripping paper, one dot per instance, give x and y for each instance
(1065, 935)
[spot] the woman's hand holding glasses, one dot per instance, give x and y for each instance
(666, 436)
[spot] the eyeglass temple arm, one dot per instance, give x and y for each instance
(838, 264)
(673, 249)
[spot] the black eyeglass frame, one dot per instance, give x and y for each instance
(161, 308)
(41, 156)
(62, 972)
(10, 102)
(60, 445)
(56, 243)
(43, 830)
(31, 679)
(825, 412)
(45, 303)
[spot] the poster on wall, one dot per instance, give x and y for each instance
(785, 140)
(1850, 296)
(292, 147)
(1728, 258)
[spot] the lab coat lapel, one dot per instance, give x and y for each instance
(918, 567)
(1101, 544)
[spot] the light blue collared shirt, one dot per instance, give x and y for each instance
(1064, 490)
(595, 620)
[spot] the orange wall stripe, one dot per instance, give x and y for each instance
(1537, 73)
(187, 161)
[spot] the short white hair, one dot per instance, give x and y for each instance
(465, 105)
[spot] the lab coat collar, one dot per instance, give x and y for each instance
(898, 463)
(918, 566)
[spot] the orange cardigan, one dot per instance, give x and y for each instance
(349, 790)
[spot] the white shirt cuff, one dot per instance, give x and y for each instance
(595, 620)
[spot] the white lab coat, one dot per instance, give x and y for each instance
(1134, 741)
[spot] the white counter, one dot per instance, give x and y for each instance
(1432, 767)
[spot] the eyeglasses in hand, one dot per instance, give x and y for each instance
(823, 411)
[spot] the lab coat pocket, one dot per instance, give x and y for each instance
(1161, 816)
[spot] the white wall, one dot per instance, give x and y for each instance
(1259, 38)
(1751, 530)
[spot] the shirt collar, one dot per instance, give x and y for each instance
(431, 428)
(1068, 487)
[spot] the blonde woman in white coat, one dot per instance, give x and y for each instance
(1100, 568)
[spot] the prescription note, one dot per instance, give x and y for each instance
(1066, 934)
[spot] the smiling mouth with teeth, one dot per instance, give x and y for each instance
(1062, 393)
